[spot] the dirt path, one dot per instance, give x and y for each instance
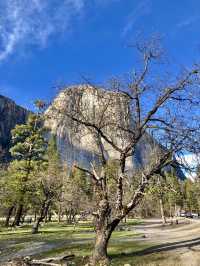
(33, 248)
(180, 241)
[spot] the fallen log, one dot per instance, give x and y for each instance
(40, 263)
(58, 259)
(55, 261)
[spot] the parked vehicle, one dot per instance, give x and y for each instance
(195, 215)
(188, 215)
(182, 214)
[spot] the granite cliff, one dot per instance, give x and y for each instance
(77, 143)
(10, 115)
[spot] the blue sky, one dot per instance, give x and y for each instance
(45, 43)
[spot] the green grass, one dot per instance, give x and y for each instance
(77, 240)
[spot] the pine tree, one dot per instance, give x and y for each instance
(28, 149)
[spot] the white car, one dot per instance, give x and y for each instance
(195, 215)
(182, 214)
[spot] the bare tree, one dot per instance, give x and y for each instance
(119, 120)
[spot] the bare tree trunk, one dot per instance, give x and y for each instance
(18, 215)
(24, 216)
(170, 213)
(9, 214)
(60, 213)
(100, 248)
(69, 216)
(43, 214)
(175, 213)
(36, 226)
(49, 216)
(103, 234)
(35, 216)
(162, 211)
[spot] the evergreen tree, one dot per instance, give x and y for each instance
(28, 149)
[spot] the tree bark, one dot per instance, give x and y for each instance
(49, 216)
(100, 248)
(23, 216)
(36, 225)
(9, 214)
(35, 216)
(162, 211)
(60, 213)
(103, 233)
(175, 213)
(43, 214)
(170, 213)
(18, 215)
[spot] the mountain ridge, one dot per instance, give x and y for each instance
(11, 114)
(76, 143)
(74, 147)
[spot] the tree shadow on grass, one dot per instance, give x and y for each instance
(162, 248)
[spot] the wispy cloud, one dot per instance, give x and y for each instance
(34, 21)
(142, 9)
(187, 21)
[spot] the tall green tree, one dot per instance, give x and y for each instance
(28, 149)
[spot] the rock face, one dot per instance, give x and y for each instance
(10, 115)
(78, 143)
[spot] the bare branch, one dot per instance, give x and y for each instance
(87, 172)
(168, 93)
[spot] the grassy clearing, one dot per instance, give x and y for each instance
(62, 238)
